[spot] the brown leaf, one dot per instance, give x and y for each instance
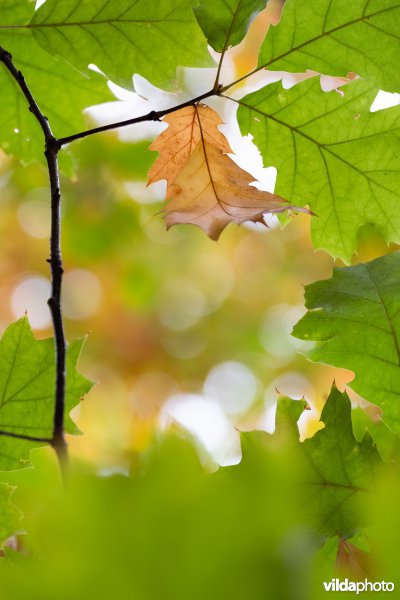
(353, 562)
(211, 191)
(180, 139)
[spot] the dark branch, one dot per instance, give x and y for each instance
(22, 436)
(6, 59)
(156, 115)
(52, 148)
(150, 116)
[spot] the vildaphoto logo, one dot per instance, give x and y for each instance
(336, 585)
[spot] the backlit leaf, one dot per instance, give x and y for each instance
(332, 154)
(335, 37)
(355, 317)
(61, 92)
(123, 38)
(27, 379)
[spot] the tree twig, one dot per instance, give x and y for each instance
(52, 148)
(153, 115)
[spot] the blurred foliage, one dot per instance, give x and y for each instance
(169, 528)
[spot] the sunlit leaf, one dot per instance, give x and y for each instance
(335, 37)
(123, 38)
(27, 379)
(61, 92)
(332, 154)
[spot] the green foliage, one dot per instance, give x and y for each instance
(10, 516)
(335, 37)
(27, 378)
(201, 534)
(60, 90)
(225, 22)
(123, 38)
(332, 470)
(355, 316)
(342, 471)
(248, 530)
(387, 442)
(332, 154)
(242, 531)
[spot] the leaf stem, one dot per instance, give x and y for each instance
(52, 147)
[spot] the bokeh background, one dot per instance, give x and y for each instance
(189, 343)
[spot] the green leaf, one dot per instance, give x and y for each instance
(123, 38)
(61, 92)
(225, 22)
(387, 442)
(333, 154)
(341, 470)
(236, 533)
(27, 380)
(332, 470)
(210, 537)
(335, 37)
(355, 316)
(10, 516)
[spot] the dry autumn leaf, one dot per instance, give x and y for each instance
(185, 129)
(212, 191)
(353, 562)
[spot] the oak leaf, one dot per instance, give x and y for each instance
(186, 127)
(212, 191)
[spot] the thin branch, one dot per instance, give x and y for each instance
(54, 301)
(52, 148)
(154, 115)
(22, 436)
(227, 87)
(225, 47)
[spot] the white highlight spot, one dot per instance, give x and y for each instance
(232, 386)
(206, 421)
(30, 296)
